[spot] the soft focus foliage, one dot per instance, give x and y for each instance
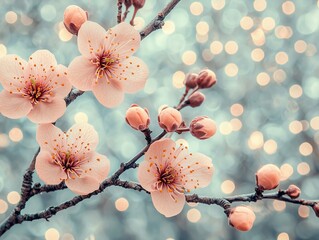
(264, 54)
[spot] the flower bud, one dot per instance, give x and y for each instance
(127, 3)
(241, 218)
(268, 177)
(138, 4)
(74, 17)
(293, 191)
(137, 117)
(191, 80)
(196, 99)
(202, 127)
(169, 119)
(206, 78)
(316, 209)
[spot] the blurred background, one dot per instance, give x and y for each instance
(265, 55)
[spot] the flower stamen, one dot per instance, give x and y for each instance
(37, 92)
(69, 163)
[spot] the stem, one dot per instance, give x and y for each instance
(119, 11)
(147, 133)
(158, 21)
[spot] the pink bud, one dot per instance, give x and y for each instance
(74, 17)
(268, 177)
(293, 191)
(202, 127)
(241, 218)
(138, 4)
(128, 3)
(191, 80)
(206, 78)
(196, 99)
(169, 119)
(316, 209)
(137, 117)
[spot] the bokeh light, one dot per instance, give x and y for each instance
(13, 197)
(52, 234)
(193, 215)
(121, 204)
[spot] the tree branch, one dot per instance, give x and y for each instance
(158, 21)
(225, 202)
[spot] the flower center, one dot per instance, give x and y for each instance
(69, 163)
(168, 175)
(37, 92)
(105, 63)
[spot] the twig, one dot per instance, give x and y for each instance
(225, 202)
(158, 21)
(147, 133)
(119, 11)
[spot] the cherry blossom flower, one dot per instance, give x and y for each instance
(35, 89)
(71, 157)
(106, 66)
(168, 172)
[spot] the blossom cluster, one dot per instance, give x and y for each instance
(38, 89)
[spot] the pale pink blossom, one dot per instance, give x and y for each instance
(168, 172)
(35, 89)
(107, 66)
(71, 157)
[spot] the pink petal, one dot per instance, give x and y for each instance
(12, 69)
(132, 74)
(90, 38)
(82, 73)
(107, 93)
(123, 40)
(59, 82)
(83, 186)
(198, 170)
(97, 167)
(82, 137)
(14, 105)
(41, 64)
(161, 151)
(47, 112)
(167, 203)
(50, 138)
(48, 172)
(146, 175)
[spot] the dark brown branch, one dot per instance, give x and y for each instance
(225, 203)
(158, 21)
(72, 96)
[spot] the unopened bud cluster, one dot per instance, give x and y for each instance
(205, 79)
